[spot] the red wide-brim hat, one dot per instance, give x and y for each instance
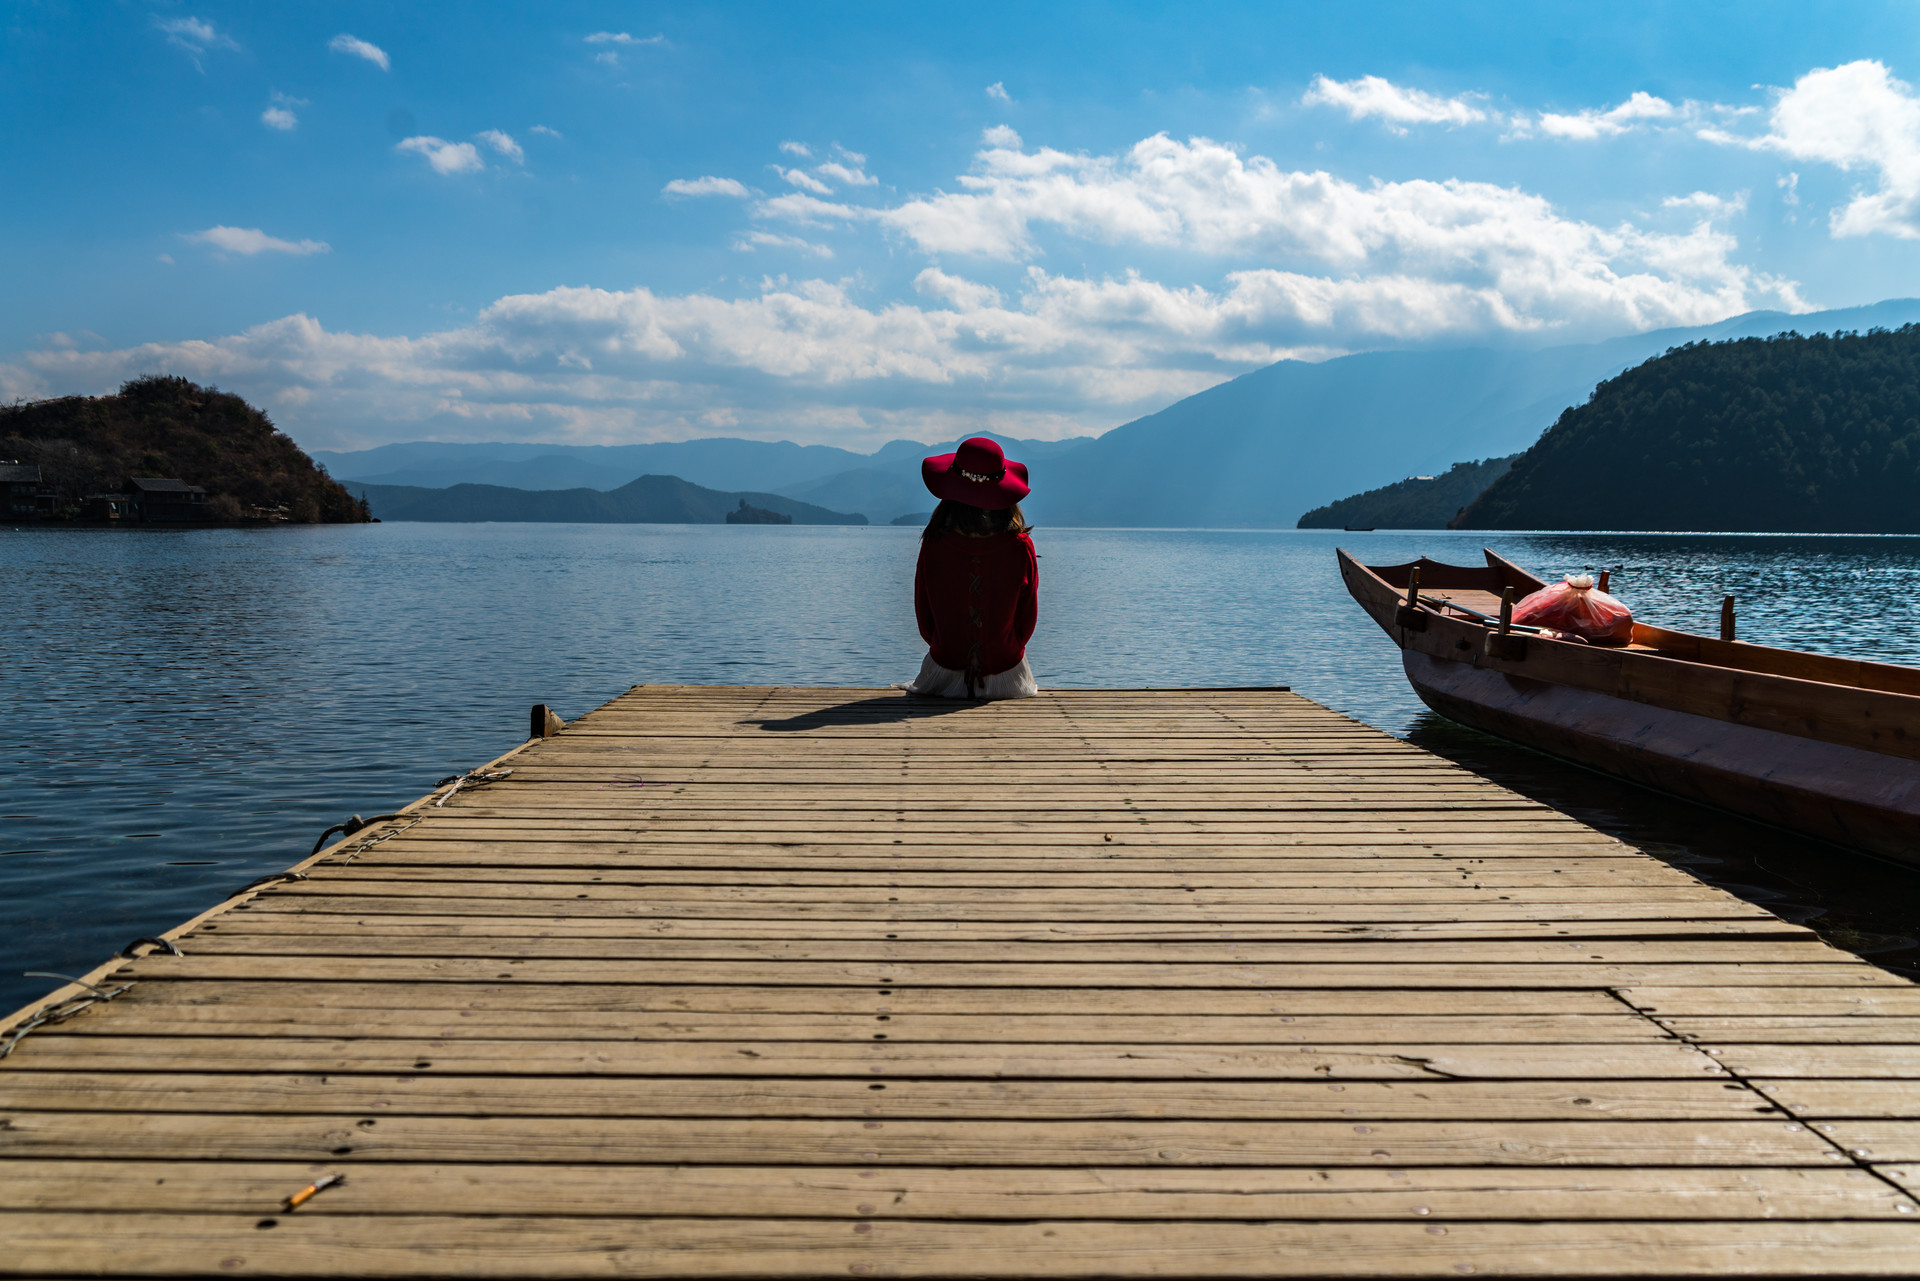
(977, 474)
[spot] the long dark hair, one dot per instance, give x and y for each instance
(969, 521)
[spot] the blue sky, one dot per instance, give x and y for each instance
(610, 223)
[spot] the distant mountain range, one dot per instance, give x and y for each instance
(1257, 451)
(650, 500)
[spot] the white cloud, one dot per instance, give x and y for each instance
(279, 113)
(504, 144)
(796, 148)
(799, 359)
(956, 291)
(1789, 185)
(1590, 124)
(1708, 204)
(555, 134)
(194, 35)
(804, 358)
(769, 240)
(1271, 263)
(1511, 260)
(608, 59)
(1372, 96)
(802, 179)
(445, 157)
(623, 38)
(850, 177)
(252, 240)
(354, 47)
(851, 157)
(707, 186)
(1854, 116)
(998, 90)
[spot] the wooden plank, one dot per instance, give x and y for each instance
(58, 1050)
(1875, 1140)
(1402, 972)
(1841, 1059)
(571, 918)
(1694, 1000)
(342, 939)
(1800, 1029)
(771, 1141)
(1052, 1028)
(587, 998)
(1315, 1194)
(863, 1098)
(50, 1243)
(1815, 1098)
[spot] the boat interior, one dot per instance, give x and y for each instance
(1477, 590)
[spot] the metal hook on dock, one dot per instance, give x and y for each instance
(165, 945)
(270, 879)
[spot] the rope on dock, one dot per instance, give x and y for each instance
(64, 1010)
(372, 841)
(348, 828)
(470, 780)
(165, 945)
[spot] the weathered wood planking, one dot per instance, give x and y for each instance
(799, 982)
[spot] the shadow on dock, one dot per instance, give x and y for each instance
(884, 710)
(1862, 904)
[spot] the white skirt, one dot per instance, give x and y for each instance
(943, 682)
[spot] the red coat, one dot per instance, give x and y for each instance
(977, 599)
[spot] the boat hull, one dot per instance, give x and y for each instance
(1823, 746)
(1851, 797)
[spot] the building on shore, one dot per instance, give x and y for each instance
(25, 493)
(114, 505)
(153, 500)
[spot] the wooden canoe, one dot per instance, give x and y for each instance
(1828, 747)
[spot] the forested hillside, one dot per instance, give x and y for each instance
(174, 429)
(1789, 434)
(1418, 502)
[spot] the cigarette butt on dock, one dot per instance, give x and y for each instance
(314, 1189)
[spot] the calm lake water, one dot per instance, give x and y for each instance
(187, 710)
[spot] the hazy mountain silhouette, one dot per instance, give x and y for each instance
(649, 500)
(883, 484)
(716, 463)
(1264, 448)
(1257, 451)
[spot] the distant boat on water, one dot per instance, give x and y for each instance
(1828, 747)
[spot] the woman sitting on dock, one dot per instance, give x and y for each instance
(976, 592)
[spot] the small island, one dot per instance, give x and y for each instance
(161, 451)
(747, 514)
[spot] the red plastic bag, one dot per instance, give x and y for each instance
(1579, 608)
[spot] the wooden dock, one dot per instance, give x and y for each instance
(826, 982)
